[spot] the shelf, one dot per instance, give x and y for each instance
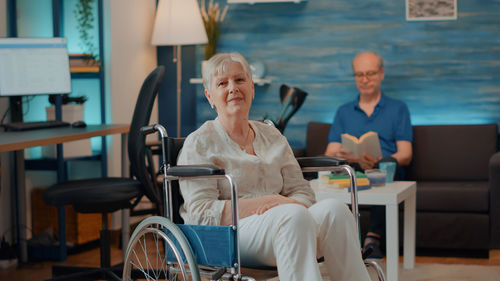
(257, 81)
(84, 69)
(80, 67)
(85, 75)
(45, 164)
(83, 63)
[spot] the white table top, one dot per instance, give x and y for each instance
(390, 193)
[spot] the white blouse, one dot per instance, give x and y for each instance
(273, 170)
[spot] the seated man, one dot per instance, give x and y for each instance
(373, 111)
(281, 224)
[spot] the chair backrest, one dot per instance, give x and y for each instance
(316, 138)
(173, 147)
(136, 141)
(291, 100)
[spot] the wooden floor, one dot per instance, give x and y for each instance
(42, 270)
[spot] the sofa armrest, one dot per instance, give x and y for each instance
(494, 185)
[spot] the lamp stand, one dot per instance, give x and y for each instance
(177, 50)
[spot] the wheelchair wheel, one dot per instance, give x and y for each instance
(152, 253)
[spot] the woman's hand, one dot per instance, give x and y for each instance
(255, 206)
(273, 200)
(263, 208)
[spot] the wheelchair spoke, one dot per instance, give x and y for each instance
(153, 255)
(159, 260)
(150, 258)
(139, 266)
(155, 270)
(137, 257)
(146, 258)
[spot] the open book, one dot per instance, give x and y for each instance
(367, 143)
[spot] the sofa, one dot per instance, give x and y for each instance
(457, 170)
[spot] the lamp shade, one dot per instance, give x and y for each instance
(178, 22)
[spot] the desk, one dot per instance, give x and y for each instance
(390, 196)
(18, 141)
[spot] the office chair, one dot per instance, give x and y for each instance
(163, 248)
(106, 195)
(291, 100)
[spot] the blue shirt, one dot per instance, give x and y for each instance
(390, 119)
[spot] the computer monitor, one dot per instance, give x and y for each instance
(33, 66)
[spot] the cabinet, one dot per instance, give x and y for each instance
(92, 72)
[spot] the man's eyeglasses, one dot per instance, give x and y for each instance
(369, 74)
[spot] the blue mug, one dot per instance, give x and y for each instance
(390, 169)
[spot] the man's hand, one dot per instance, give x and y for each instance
(347, 154)
(367, 161)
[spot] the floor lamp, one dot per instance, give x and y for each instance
(177, 23)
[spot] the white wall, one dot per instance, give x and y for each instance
(129, 58)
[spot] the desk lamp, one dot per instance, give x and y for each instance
(178, 22)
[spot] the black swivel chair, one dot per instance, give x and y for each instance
(106, 195)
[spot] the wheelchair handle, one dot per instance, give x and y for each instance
(146, 130)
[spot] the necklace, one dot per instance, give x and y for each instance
(245, 144)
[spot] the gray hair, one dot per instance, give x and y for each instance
(218, 63)
(379, 58)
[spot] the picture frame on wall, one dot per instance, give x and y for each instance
(431, 10)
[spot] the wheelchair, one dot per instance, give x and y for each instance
(162, 248)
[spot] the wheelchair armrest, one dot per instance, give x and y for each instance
(321, 161)
(190, 171)
(327, 163)
(194, 171)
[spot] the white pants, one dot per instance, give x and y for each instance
(292, 237)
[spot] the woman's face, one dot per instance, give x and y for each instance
(231, 92)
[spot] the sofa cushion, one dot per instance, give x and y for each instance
(452, 152)
(459, 230)
(467, 196)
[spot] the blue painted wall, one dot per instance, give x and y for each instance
(446, 71)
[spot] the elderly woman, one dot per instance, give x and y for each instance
(280, 222)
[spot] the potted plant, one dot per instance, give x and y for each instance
(84, 14)
(213, 16)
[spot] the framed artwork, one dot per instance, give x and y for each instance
(431, 10)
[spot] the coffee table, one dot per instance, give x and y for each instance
(389, 195)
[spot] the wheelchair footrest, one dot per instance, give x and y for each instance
(213, 273)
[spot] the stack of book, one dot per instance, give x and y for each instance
(344, 181)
